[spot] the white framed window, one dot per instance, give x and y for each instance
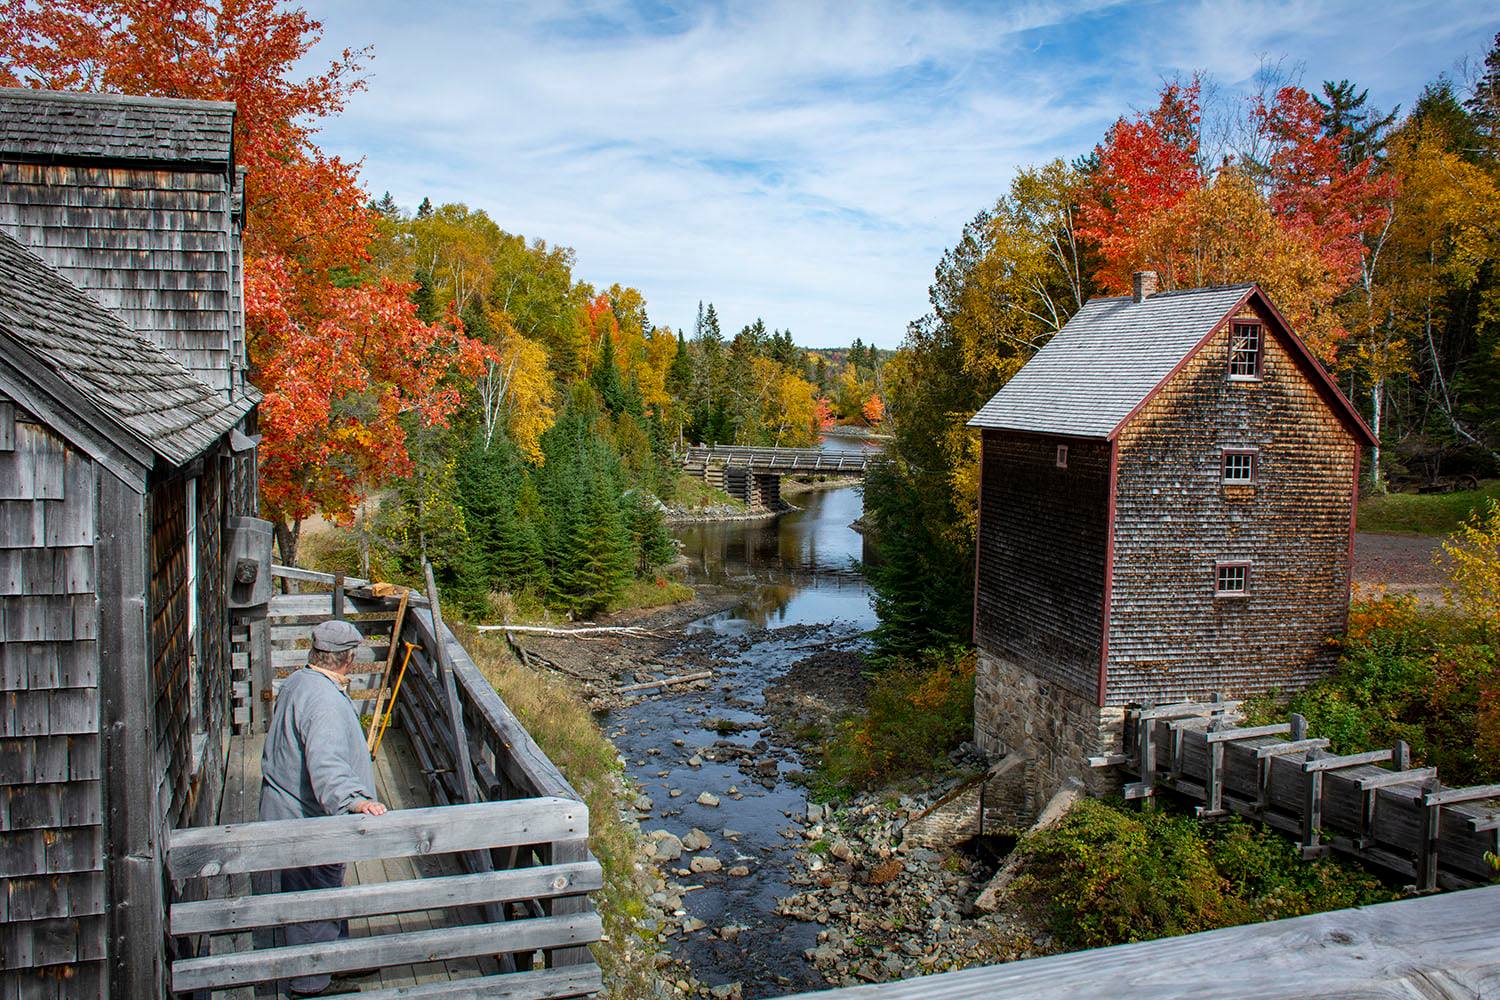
(1231, 579)
(1244, 350)
(1237, 466)
(1062, 456)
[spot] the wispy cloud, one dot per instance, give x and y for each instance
(802, 162)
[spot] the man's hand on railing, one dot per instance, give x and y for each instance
(370, 808)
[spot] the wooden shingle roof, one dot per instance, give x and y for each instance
(50, 125)
(140, 387)
(1115, 353)
(1105, 361)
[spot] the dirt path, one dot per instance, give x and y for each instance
(1400, 563)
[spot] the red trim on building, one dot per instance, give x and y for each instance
(1109, 568)
(978, 542)
(1309, 364)
(1353, 527)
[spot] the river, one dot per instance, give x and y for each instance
(801, 587)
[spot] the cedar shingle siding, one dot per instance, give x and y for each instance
(121, 380)
(1169, 637)
(1096, 583)
(134, 201)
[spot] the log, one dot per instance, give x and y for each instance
(701, 675)
(632, 630)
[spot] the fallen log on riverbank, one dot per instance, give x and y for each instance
(702, 675)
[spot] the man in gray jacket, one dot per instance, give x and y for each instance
(316, 763)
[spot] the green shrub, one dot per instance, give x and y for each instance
(1429, 676)
(1109, 875)
(915, 713)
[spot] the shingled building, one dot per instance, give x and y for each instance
(126, 466)
(1166, 512)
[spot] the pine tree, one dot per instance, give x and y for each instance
(1361, 131)
(1484, 104)
(422, 296)
(606, 377)
(424, 210)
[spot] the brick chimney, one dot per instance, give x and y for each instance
(1144, 283)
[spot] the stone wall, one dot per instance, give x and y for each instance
(1056, 730)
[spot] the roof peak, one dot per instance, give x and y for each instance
(1177, 292)
(93, 97)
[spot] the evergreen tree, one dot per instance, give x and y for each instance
(424, 299)
(606, 377)
(1484, 104)
(386, 206)
(1361, 131)
(680, 374)
(654, 545)
(424, 210)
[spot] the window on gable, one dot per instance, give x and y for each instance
(1244, 350)
(1062, 456)
(1231, 579)
(1238, 467)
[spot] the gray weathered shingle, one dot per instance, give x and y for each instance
(144, 389)
(1105, 361)
(59, 125)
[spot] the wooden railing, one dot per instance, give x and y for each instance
(780, 459)
(477, 904)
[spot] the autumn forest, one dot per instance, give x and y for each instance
(446, 386)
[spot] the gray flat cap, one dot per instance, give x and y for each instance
(335, 636)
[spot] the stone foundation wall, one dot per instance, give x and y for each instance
(1055, 729)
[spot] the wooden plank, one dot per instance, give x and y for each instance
(1414, 949)
(1450, 796)
(352, 954)
(312, 576)
(1248, 733)
(296, 843)
(1392, 778)
(540, 984)
(1292, 746)
(1339, 763)
(128, 725)
(212, 916)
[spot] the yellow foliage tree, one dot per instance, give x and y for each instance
(788, 411)
(661, 349)
(1473, 555)
(516, 389)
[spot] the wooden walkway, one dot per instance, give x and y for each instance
(400, 785)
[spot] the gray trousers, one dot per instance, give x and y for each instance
(316, 877)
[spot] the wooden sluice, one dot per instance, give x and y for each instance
(1374, 806)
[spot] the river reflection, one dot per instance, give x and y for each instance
(802, 568)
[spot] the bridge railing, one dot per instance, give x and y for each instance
(779, 459)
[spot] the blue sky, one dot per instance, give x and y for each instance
(805, 163)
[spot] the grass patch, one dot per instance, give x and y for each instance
(559, 720)
(1424, 513)
(914, 714)
(653, 593)
(1107, 874)
(692, 493)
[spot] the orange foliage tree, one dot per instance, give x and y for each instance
(873, 410)
(338, 362)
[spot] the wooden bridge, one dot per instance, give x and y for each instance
(474, 885)
(753, 475)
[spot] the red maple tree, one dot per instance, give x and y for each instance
(338, 361)
(1145, 166)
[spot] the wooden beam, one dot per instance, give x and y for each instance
(541, 984)
(297, 843)
(1247, 733)
(128, 729)
(213, 916)
(377, 951)
(1339, 763)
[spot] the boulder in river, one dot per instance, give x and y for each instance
(707, 799)
(665, 846)
(696, 840)
(703, 863)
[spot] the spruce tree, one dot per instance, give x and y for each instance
(606, 377)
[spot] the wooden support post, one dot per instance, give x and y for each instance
(338, 595)
(1299, 727)
(1369, 788)
(461, 759)
(1312, 808)
(1432, 826)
